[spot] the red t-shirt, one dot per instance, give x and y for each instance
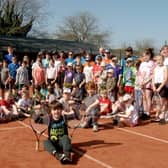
(105, 105)
(7, 104)
(96, 71)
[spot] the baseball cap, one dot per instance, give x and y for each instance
(110, 71)
(107, 51)
(129, 59)
(129, 49)
(69, 64)
(126, 97)
(98, 57)
(66, 90)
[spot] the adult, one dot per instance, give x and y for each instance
(128, 54)
(101, 53)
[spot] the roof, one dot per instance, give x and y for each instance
(34, 45)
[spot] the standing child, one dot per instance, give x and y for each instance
(138, 94)
(129, 77)
(111, 84)
(58, 139)
(159, 81)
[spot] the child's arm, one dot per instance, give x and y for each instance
(92, 106)
(82, 83)
(165, 79)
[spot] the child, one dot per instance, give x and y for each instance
(91, 102)
(4, 75)
(159, 82)
(37, 97)
(8, 107)
(126, 113)
(105, 103)
(101, 81)
(129, 77)
(24, 104)
(138, 91)
(57, 91)
(58, 139)
(111, 84)
(67, 103)
(51, 96)
(22, 76)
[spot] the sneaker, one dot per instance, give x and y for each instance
(162, 121)
(121, 125)
(95, 128)
(83, 125)
(60, 156)
(66, 160)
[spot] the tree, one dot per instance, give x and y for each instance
(82, 27)
(142, 45)
(17, 17)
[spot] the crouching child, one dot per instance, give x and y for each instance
(126, 115)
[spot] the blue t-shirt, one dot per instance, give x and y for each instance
(13, 70)
(69, 60)
(8, 58)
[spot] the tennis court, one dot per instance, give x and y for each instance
(141, 147)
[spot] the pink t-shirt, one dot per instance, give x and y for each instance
(146, 71)
(39, 74)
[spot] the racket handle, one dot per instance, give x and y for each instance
(37, 145)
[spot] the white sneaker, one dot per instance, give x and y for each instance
(95, 128)
(83, 125)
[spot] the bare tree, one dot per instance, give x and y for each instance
(82, 27)
(146, 43)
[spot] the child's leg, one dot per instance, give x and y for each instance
(65, 144)
(147, 100)
(94, 118)
(49, 147)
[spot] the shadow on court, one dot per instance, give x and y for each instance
(78, 152)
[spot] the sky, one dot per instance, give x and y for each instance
(126, 20)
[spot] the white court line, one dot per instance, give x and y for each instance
(76, 150)
(13, 128)
(143, 135)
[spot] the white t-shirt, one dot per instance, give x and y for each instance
(88, 71)
(51, 72)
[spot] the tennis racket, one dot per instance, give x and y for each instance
(39, 122)
(156, 103)
(75, 120)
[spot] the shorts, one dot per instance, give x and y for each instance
(129, 89)
(163, 92)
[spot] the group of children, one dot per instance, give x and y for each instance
(95, 89)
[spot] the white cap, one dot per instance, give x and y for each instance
(103, 63)
(69, 64)
(110, 70)
(129, 59)
(126, 97)
(66, 90)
